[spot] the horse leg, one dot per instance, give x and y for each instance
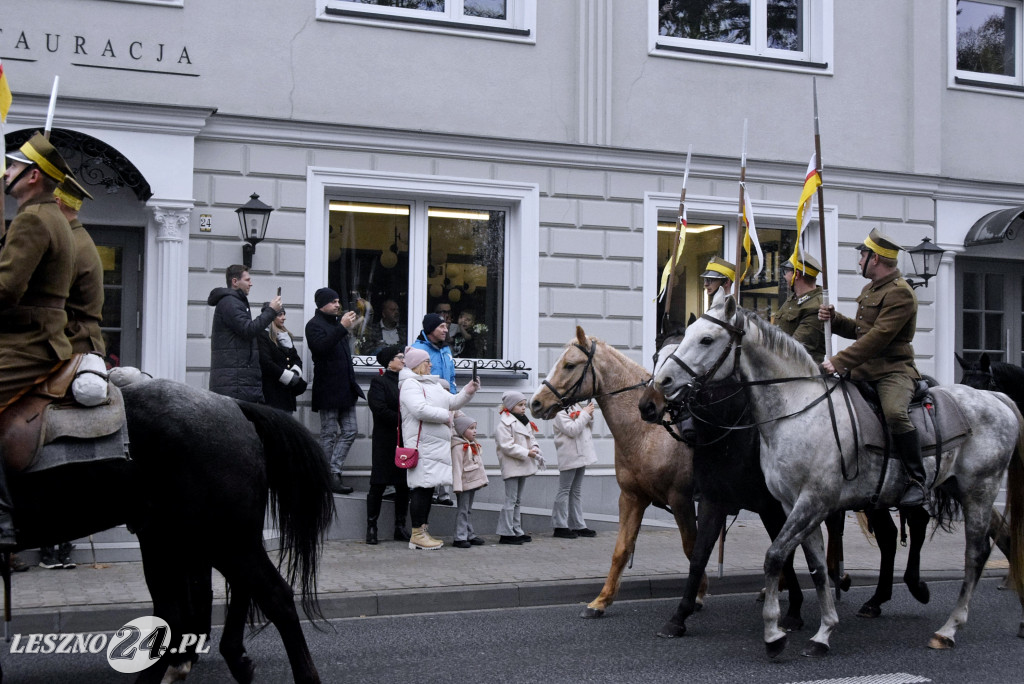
(182, 594)
(774, 518)
(835, 523)
(917, 518)
(977, 550)
(686, 521)
(232, 647)
(814, 551)
(805, 519)
(252, 571)
(885, 534)
(710, 519)
(631, 512)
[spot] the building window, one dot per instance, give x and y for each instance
(511, 17)
(461, 273)
(988, 42)
(780, 31)
(428, 243)
(991, 294)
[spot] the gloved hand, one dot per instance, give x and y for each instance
(298, 386)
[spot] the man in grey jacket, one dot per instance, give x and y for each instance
(234, 349)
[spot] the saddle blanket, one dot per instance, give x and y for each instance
(56, 434)
(938, 418)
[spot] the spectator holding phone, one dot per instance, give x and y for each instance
(281, 365)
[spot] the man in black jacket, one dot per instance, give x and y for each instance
(335, 390)
(234, 351)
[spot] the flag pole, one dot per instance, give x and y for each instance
(52, 107)
(740, 226)
(680, 228)
(821, 222)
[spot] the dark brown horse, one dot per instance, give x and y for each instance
(196, 493)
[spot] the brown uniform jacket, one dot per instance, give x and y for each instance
(798, 317)
(85, 303)
(37, 266)
(884, 329)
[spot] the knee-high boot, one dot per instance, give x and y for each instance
(372, 513)
(908, 448)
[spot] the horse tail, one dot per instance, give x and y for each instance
(1015, 502)
(301, 502)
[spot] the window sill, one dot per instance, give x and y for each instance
(1000, 88)
(760, 61)
(426, 24)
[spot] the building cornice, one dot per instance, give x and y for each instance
(77, 113)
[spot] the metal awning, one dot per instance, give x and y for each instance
(995, 227)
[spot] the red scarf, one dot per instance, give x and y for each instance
(471, 446)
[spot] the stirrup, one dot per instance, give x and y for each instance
(913, 495)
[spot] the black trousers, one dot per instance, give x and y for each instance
(376, 495)
(419, 505)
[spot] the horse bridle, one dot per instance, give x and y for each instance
(736, 334)
(570, 397)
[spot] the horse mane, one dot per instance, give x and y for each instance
(1009, 379)
(779, 343)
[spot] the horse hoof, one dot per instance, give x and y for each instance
(815, 649)
(1020, 631)
(845, 582)
(591, 613)
(698, 605)
(760, 597)
(869, 610)
(940, 642)
(791, 623)
(243, 671)
(775, 648)
(920, 592)
(671, 630)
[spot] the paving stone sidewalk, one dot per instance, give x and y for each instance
(357, 579)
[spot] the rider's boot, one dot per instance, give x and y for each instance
(908, 448)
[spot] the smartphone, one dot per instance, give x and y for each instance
(279, 291)
(474, 372)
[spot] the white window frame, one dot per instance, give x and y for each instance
(816, 57)
(522, 201)
(723, 210)
(520, 24)
(968, 79)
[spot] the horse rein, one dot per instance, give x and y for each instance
(570, 396)
(736, 334)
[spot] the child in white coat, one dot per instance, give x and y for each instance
(574, 446)
(468, 476)
(519, 456)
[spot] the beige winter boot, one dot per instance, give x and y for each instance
(421, 540)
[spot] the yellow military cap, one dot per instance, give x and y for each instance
(719, 268)
(809, 265)
(880, 244)
(71, 192)
(39, 151)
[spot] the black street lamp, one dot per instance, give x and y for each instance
(253, 217)
(925, 260)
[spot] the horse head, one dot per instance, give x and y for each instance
(652, 403)
(702, 354)
(977, 375)
(571, 379)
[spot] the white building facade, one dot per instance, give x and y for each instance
(516, 157)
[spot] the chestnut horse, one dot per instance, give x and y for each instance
(650, 466)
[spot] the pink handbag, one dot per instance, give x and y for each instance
(406, 457)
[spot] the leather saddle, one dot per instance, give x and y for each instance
(941, 424)
(45, 428)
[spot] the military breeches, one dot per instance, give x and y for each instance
(895, 392)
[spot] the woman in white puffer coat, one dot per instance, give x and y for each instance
(426, 406)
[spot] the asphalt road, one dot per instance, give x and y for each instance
(552, 644)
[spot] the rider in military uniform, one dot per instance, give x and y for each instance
(884, 329)
(718, 279)
(798, 316)
(37, 266)
(85, 303)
